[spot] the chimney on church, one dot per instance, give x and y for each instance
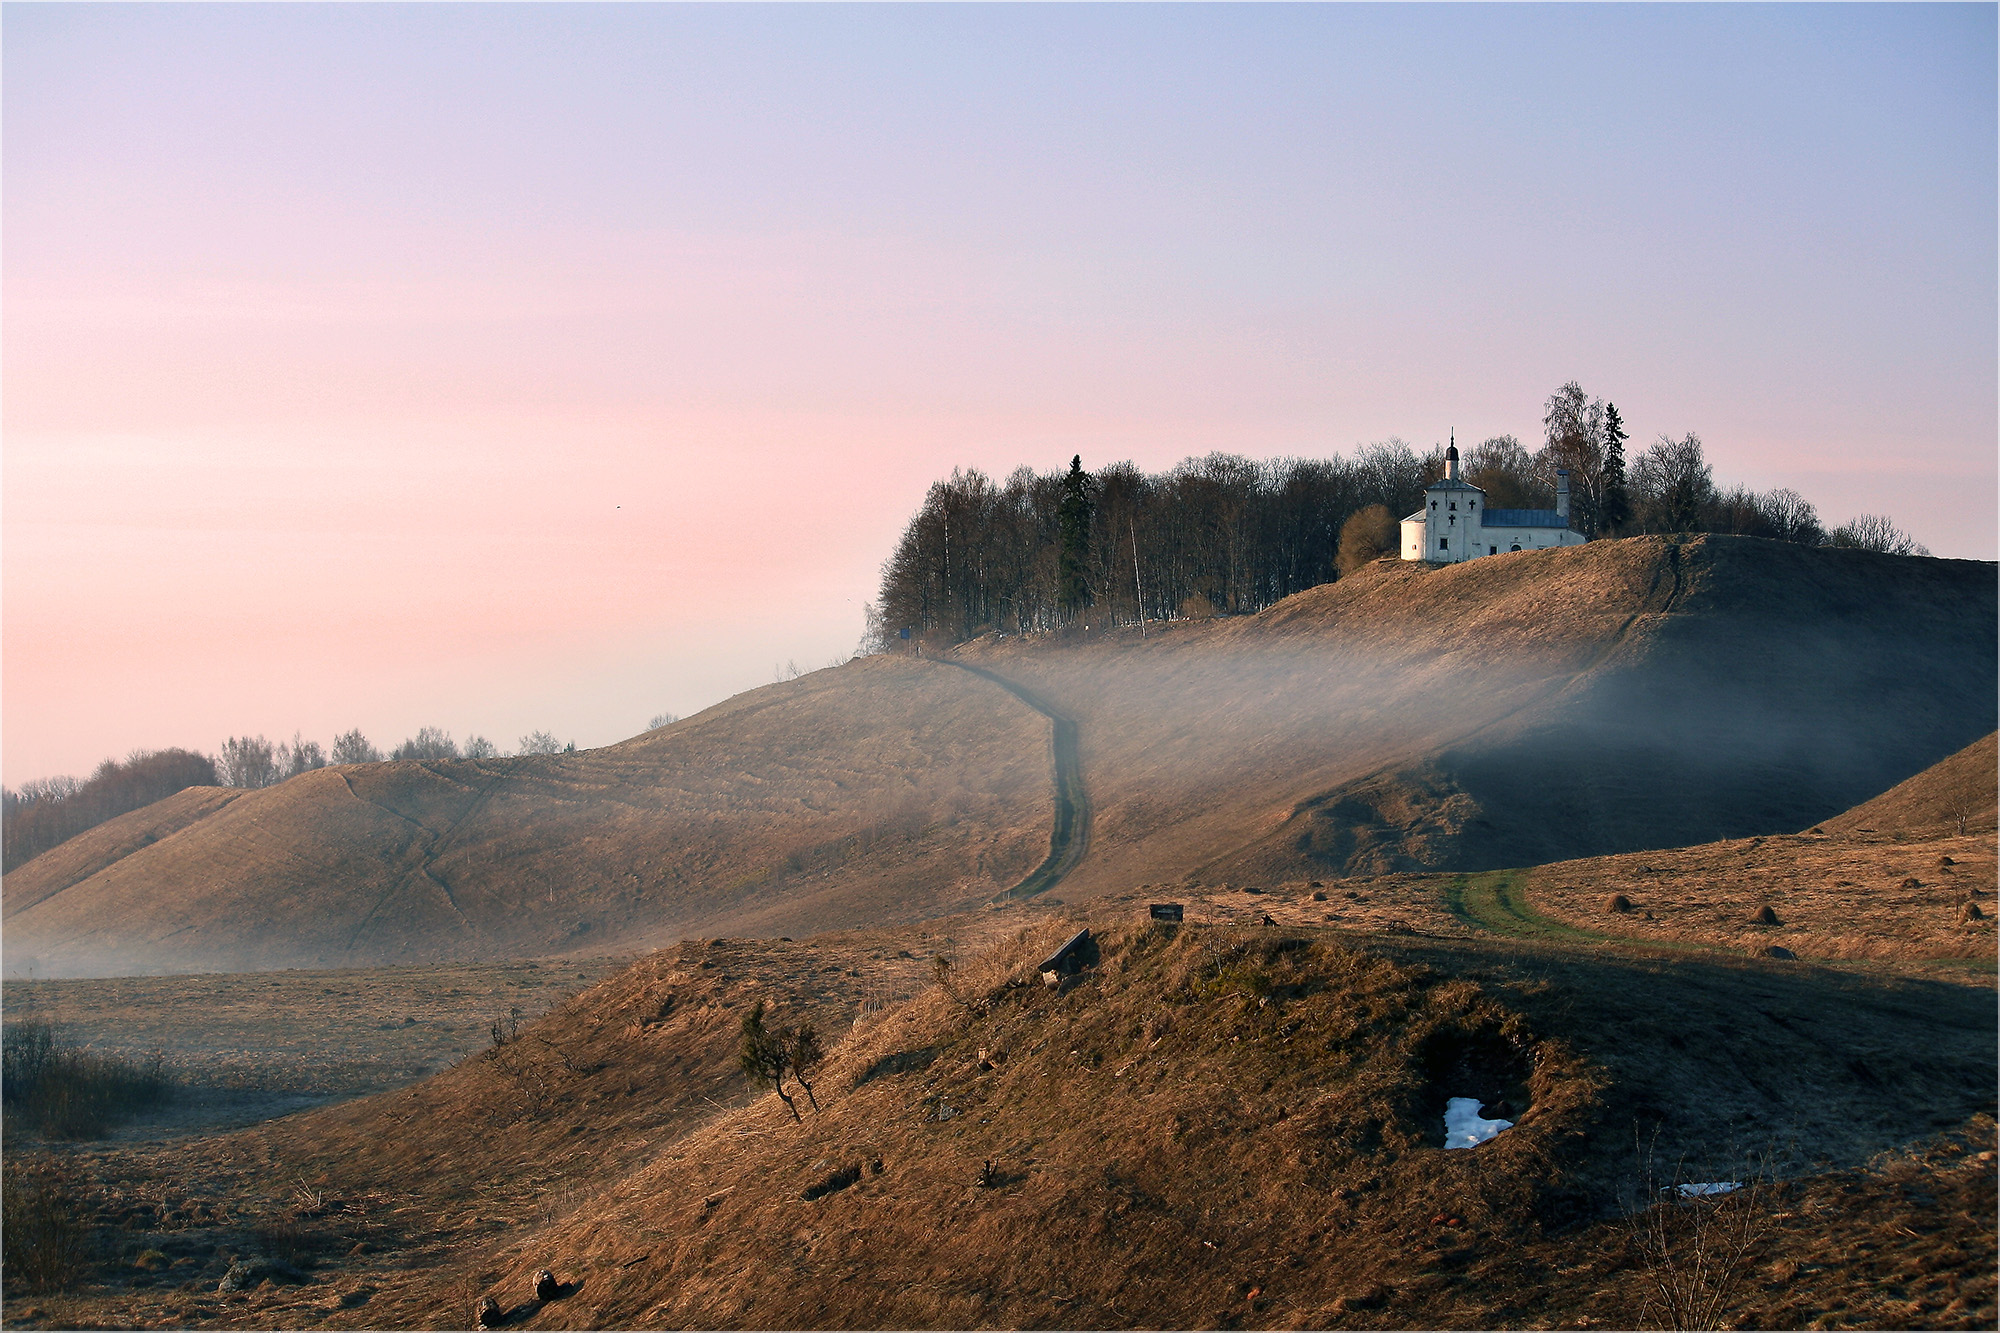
(1451, 459)
(1562, 494)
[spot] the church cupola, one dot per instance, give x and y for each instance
(1451, 459)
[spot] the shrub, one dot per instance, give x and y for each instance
(68, 1092)
(44, 1241)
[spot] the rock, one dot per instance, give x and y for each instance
(246, 1274)
(1319, 896)
(1617, 902)
(546, 1286)
(1779, 951)
(1946, 861)
(1766, 917)
(1912, 882)
(487, 1313)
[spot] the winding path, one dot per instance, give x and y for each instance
(1069, 838)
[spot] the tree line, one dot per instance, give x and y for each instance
(1224, 534)
(46, 812)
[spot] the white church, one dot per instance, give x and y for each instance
(1455, 523)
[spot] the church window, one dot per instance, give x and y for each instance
(1444, 543)
(1454, 504)
(1515, 547)
(1492, 550)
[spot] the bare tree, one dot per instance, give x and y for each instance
(1673, 485)
(300, 756)
(428, 743)
(478, 747)
(1574, 426)
(542, 742)
(1793, 517)
(662, 720)
(351, 747)
(1874, 532)
(1502, 468)
(247, 761)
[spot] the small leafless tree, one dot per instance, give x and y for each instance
(542, 742)
(1695, 1243)
(1875, 532)
(805, 1055)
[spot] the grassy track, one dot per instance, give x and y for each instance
(1497, 901)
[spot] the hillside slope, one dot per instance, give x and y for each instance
(1213, 1126)
(1519, 709)
(883, 790)
(1513, 711)
(1964, 787)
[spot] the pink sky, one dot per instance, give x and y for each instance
(550, 367)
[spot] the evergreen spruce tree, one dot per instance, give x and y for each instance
(1614, 505)
(1073, 533)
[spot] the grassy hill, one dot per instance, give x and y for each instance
(1219, 1125)
(1958, 794)
(1515, 710)
(1519, 709)
(885, 790)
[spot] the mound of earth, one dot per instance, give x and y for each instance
(1209, 1125)
(880, 791)
(1518, 709)
(1960, 794)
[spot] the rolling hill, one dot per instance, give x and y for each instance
(1957, 794)
(1515, 710)
(1222, 1124)
(886, 790)
(1519, 709)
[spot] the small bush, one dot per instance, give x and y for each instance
(44, 1241)
(67, 1092)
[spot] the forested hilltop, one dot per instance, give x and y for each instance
(1225, 534)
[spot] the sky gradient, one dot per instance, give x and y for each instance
(514, 367)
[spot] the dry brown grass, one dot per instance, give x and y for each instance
(1190, 1113)
(1958, 795)
(1224, 1125)
(1516, 710)
(1835, 898)
(883, 791)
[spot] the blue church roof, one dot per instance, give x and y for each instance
(1522, 518)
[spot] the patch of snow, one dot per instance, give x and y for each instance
(1462, 1126)
(1708, 1187)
